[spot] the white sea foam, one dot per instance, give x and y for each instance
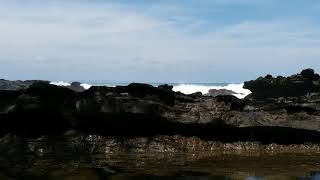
(185, 88)
(192, 88)
(86, 86)
(60, 83)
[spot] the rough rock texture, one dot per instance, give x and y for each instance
(76, 86)
(218, 92)
(17, 85)
(42, 108)
(297, 85)
(74, 142)
(145, 111)
(55, 132)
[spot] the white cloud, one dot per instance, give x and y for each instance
(95, 42)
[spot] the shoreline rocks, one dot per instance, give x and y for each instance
(81, 143)
(275, 87)
(17, 85)
(272, 114)
(220, 92)
(76, 86)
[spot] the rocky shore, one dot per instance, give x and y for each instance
(58, 132)
(282, 110)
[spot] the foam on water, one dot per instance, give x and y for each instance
(60, 83)
(184, 88)
(86, 86)
(192, 88)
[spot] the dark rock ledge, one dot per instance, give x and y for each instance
(283, 110)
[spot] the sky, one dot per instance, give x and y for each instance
(157, 40)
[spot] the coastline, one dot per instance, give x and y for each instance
(282, 110)
(138, 129)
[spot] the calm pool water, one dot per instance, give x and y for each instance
(101, 158)
(160, 166)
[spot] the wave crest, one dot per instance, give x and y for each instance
(185, 88)
(62, 83)
(204, 89)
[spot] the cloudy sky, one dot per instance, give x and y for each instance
(157, 40)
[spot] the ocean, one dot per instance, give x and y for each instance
(186, 88)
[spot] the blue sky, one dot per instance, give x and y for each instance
(157, 41)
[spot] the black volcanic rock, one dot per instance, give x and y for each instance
(165, 95)
(17, 85)
(275, 113)
(297, 85)
(232, 101)
(217, 92)
(166, 86)
(76, 86)
(309, 74)
(41, 109)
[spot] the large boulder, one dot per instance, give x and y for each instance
(122, 110)
(76, 86)
(296, 85)
(218, 92)
(163, 93)
(41, 109)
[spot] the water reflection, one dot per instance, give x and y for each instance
(189, 176)
(55, 170)
(254, 178)
(313, 176)
(89, 174)
(78, 159)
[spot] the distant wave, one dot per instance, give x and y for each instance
(192, 88)
(86, 86)
(184, 88)
(62, 83)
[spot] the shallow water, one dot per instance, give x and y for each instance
(160, 166)
(87, 157)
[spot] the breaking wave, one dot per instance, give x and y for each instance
(62, 83)
(204, 89)
(184, 88)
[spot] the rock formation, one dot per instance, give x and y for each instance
(274, 113)
(16, 85)
(297, 85)
(44, 124)
(76, 86)
(218, 92)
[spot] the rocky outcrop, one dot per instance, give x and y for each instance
(297, 85)
(218, 92)
(22, 85)
(41, 109)
(76, 86)
(44, 129)
(145, 111)
(17, 85)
